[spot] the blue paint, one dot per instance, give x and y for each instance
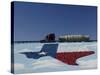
(47, 50)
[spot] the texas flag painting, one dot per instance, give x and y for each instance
(48, 37)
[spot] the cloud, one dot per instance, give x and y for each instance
(50, 62)
(26, 50)
(38, 47)
(19, 66)
(88, 64)
(35, 49)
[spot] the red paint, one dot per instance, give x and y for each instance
(71, 57)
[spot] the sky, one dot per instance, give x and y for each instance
(33, 21)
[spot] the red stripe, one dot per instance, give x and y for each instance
(71, 57)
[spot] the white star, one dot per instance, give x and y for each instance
(42, 53)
